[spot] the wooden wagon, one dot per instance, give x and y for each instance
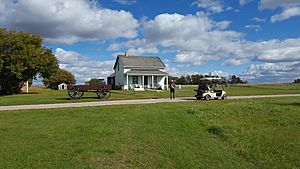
(77, 91)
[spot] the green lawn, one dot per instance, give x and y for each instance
(250, 133)
(40, 95)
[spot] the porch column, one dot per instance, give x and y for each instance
(127, 81)
(27, 85)
(143, 79)
(152, 82)
(167, 82)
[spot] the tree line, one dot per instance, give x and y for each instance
(195, 79)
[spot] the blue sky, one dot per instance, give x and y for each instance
(256, 39)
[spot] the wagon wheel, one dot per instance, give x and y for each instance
(75, 92)
(103, 94)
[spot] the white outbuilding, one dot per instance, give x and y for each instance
(62, 86)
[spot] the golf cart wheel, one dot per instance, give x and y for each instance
(224, 97)
(207, 97)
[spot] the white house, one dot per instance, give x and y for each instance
(62, 86)
(138, 72)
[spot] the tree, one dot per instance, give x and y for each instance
(297, 81)
(236, 80)
(22, 57)
(196, 79)
(60, 76)
(181, 80)
(188, 80)
(95, 82)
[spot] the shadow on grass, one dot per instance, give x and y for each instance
(83, 98)
(287, 104)
(29, 93)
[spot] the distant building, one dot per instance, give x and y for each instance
(132, 72)
(62, 86)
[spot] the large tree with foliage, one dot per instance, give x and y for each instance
(22, 57)
(60, 76)
(95, 82)
(196, 78)
(236, 80)
(297, 81)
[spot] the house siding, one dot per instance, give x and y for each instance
(119, 75)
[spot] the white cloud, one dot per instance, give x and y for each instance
(244, 2)
(286, 54)
(197, 39)
(256, 19)
(201, 34)
(83, 67)
(67, 21)
(125, 2)
(273, 72)
(257, 28)
(213, 6)
(236, 62)
(290, 8)
(273, 4)
(286, 14)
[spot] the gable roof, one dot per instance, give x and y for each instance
(140, 61)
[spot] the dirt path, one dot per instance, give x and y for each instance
(122, 102)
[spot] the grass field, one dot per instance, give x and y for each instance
(250, 133)
(40, 95)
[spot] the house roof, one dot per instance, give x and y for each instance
(140, 61)
(146, 72)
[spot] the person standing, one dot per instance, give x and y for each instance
(172, 89)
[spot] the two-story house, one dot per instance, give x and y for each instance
(138, 72)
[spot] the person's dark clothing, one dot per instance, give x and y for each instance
(172, 90)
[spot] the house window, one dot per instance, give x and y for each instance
(134, 80)
(155, 80)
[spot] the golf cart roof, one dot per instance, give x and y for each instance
(211, 78)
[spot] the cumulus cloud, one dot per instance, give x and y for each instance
(256, 19)
(189, 33)
(125, 2)
(213, 6)
(286, 14)
(236, 62)
(273, 72)
(194, 58)
(67, 21)
(204, 40)
(82, 66)
(273, 4)
(257, 28)
(280, 54)
(289, 8)
(243, 2)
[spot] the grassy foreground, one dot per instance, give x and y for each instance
(40, 95)
(252, 133)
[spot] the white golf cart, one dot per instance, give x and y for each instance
(206, 90)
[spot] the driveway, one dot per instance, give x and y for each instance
(122, 102)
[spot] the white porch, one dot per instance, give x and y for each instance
(146, 81)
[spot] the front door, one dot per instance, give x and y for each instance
(146, 81)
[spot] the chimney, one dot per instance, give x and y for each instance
(126, 54)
